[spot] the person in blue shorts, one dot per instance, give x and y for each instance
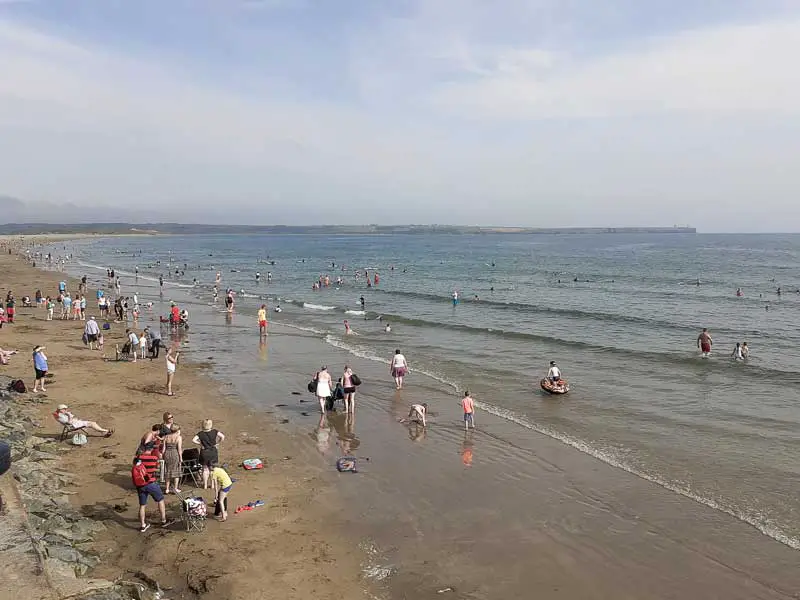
(147, 486)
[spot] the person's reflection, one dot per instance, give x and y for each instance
(466, 450)
(262, 349)
(323, 435)
(228, 318)
(416, 432)
(345, 430)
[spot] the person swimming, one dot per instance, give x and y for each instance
(388, 328)
(737, 352)
(455, 297)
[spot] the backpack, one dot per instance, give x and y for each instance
(17, 385)
(347, 464)
(139, 475)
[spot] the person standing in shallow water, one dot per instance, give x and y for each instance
(398, 368)
(704, 342)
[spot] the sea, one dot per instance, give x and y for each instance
(620, 313)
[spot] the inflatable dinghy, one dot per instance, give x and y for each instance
(554, 387)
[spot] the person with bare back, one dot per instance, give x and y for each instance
(704, 342)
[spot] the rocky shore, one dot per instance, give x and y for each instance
(47, 534)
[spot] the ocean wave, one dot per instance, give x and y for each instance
(569, 312)
(686, 359)
(752, 517)
(355, 312)
(302, 327)
(317, 306)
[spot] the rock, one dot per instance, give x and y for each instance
(108, 455)
(63, 553)
(56, 567)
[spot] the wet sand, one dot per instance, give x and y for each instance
(505, 512)
(290, 548)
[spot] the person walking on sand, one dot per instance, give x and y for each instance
(172, 364)
(468, 405)
(704, 342)
(262, 321)
(221, 483)
(146, 486)
(50, 308)
(92, 331)
(323, 390)
(173, 451)
(398, 367)
(40, 368)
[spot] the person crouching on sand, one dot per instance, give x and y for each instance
(417, 413)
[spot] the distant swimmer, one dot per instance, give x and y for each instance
(347, 330)
(455, 297)
(698, 283)
(258, 277)
(491, 289)
(704, 342)
(269, 276)
(475, 298)
(745, 351)
(363, 302)
(778, 291)
(739, 292)
(278, 308)
(388, 328)
(737, 352)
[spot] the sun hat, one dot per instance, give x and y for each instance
(62, 407)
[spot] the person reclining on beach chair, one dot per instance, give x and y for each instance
(72, 424)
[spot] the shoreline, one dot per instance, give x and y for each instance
(290, 548)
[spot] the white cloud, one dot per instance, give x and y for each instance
(729, 69)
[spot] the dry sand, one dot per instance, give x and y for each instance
(285, 549)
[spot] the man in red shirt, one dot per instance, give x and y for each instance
(147, 486)
(150, 459)
(175, 315)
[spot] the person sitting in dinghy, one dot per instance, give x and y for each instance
(554, 374)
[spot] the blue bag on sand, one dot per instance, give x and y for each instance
(346, 464)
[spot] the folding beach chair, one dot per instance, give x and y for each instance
(193, 512)
(68, 429)
(191, 469)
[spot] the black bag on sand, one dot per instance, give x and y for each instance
(355, 380)
(329, 402)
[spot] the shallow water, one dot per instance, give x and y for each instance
(721, 433)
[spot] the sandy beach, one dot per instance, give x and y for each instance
(288, 548)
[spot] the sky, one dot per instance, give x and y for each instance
(504, 112)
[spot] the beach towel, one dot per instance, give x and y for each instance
(252, 463)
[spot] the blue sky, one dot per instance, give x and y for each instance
(529, 112)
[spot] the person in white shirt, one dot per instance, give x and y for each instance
(398, 368)
(133, 340)
(554, 374)
(92, 331)
(417, 413)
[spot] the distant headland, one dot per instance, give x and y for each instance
(188, 229)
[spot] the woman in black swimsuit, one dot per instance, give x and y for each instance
(208, 439)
